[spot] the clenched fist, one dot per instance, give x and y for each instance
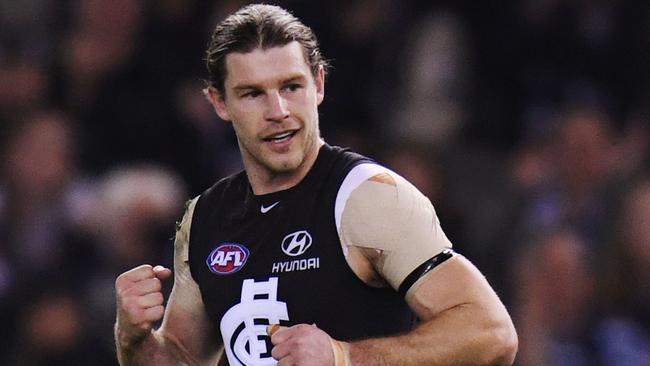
(307, 345)
(140, 302)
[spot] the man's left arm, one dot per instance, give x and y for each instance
(462, 322)
(392, 237)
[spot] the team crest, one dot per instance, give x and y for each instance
(227, 258)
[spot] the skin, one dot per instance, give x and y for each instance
(460, 324)
(270, 93)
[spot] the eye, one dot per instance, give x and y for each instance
(251, 94)
(292, 87)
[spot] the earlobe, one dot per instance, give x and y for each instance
(218, 103)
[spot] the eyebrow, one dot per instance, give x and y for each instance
(293, 78)
(246, 87)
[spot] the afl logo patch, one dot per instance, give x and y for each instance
(296, 243)
(227, 258)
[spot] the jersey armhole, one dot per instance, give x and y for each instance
(354, 178)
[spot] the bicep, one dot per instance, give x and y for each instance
(391, 231)
(453, 284)
(186, 323)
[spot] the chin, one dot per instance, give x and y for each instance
(285, 165)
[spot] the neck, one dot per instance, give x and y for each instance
(264, 181)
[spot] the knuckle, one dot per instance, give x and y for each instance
(156, 313)
(158, 297)
(301, 332)
(144, 267)
(304, 329)
(157, 285)
(279, 352)
(120, 282)
(122, 289)
(151, 300)
(301, 327)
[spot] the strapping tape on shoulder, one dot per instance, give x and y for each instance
(423, 269)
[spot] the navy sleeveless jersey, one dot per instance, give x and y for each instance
(277, 258)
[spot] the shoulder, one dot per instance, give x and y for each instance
(369, 186)
(391, 220)
(236, 181)
(338, 157)
(223, 193)
(182, 238)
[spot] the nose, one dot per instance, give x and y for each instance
(276, 108)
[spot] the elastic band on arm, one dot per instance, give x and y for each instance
(423, 269)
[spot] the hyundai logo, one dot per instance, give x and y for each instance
(296, 243)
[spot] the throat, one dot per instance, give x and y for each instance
(264, 179)
(273, 182)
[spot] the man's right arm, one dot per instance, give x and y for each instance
(185, 336)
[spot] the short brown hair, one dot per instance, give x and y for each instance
(258, 26)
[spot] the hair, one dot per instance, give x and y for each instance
(258, 26)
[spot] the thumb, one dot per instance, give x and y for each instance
(161, 272)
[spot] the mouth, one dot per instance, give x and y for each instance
(280, 137)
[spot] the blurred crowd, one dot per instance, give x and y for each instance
(527, 124)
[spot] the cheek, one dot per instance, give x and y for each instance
(243, 132)
(244, 121)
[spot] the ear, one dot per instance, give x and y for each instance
(320, 85)
(218, 102)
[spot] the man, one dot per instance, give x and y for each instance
(313, 255)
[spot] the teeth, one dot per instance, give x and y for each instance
(281, 136)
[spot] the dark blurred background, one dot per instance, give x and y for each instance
(527, 124)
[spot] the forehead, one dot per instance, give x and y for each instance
(265, 65)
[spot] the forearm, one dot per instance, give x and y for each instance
(459, 336)
(153, 349)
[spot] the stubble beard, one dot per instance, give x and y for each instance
(275, 167)
(297, 157)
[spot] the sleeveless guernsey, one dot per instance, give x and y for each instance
(277, 259)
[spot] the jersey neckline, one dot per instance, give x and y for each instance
(270, 198)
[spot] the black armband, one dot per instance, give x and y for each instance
(423, 269)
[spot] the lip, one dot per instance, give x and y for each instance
(282, 144)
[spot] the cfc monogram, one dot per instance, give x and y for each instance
(243, 327)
